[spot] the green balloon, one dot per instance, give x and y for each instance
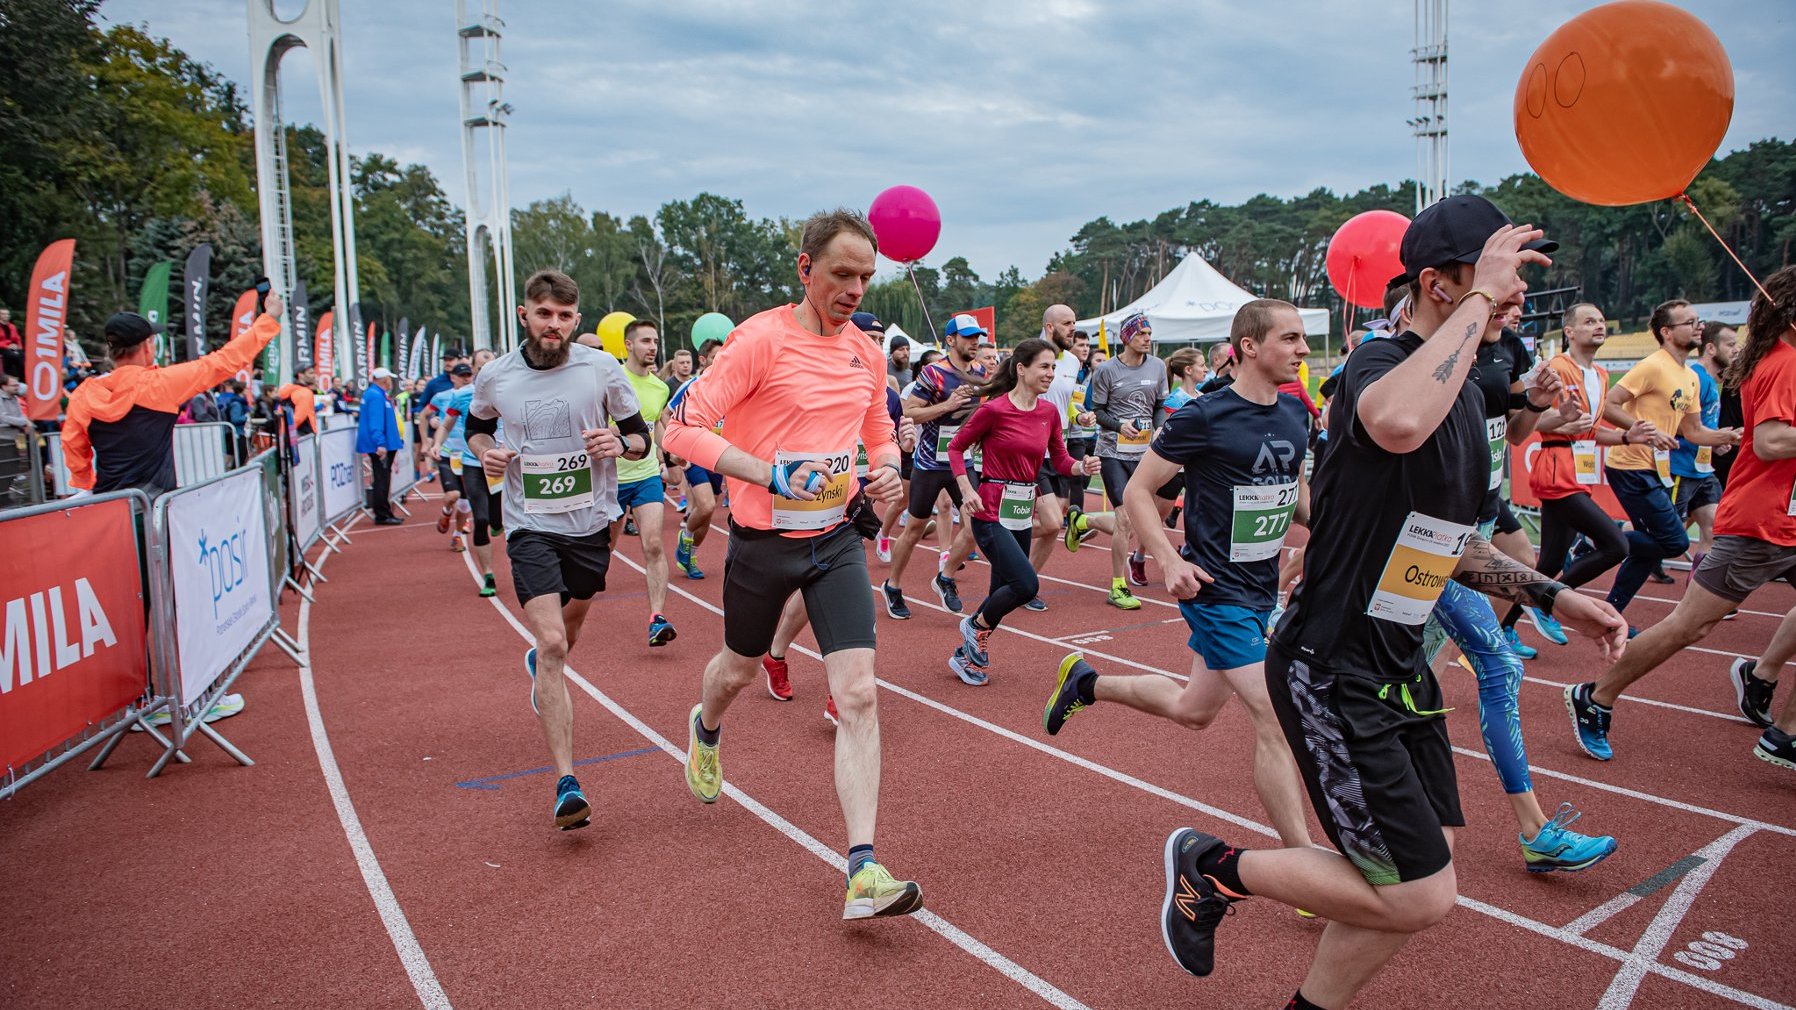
(711, 326)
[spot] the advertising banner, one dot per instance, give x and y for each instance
(324, 358)
(218, 558)
(340, 472)
(415, 368)
(1521, 463)
(198, 279)
(152, 304)
(302, 491)
(243, 316)
(46, 316)
(73, 650)
(300, 316)
(357, 335)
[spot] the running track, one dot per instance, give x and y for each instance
(392, 847)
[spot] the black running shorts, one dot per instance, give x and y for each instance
(1116, 474)
(449, 479)
(762, 569)
(1049, 483)
(1377, 764)
(926, 486)
(572, 568)
(1174, 486)
(1691, 493)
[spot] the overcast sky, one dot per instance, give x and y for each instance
(1023, 119)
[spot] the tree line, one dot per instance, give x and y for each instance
(120, 140)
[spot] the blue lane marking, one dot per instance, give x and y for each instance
(492, 783)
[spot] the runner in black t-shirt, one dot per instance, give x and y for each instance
(1392, 521)
(1242, 452)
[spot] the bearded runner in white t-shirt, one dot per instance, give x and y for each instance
(1059, 492)
(560, 492)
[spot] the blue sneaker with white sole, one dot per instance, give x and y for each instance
(1515, 645)
(1590, 721)
(530, 668)
(969, 673)
(1548, 626)
(571, 809)
(1557, 847)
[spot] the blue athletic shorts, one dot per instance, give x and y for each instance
(1226, 636)
(696, 475)
(647, 491)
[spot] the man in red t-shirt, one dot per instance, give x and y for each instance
(1755, 529)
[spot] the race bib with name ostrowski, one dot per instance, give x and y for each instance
(1420, 564)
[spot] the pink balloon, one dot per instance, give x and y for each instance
(1362, 256)
(906, 222)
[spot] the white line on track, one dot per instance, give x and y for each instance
(1646, 952)
(392, 916)
(942, 927)
(1559, 933)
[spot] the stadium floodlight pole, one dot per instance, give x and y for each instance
(318, 28)
(1430, 91)
(483, 114)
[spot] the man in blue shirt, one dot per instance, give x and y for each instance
(377, 436)
(439, 383)
(1695, 490)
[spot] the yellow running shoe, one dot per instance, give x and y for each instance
(704, 774)
(1121, 598)
(872, 892)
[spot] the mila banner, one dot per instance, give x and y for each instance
(198, 277)
(218, 557)
(46, 317)
(243, 315)
(74, 650)
(152, 304)
(340, 471)
(303, 491)
(300, 315)
(324, 357)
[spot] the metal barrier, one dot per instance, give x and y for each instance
(203, 451)
(77, 671)
(21, 469)
(59, 466)
(340, 485)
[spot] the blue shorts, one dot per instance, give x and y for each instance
(696, 475)
(1226, 636)
(647, 491)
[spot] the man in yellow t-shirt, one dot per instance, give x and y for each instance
(640, 490)
(1661, 393)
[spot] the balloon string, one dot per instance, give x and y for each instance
(1347, 305)
(935, 338)
(1723, 243)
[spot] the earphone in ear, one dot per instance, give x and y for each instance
(807, 272)
(1435, 287)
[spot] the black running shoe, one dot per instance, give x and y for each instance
(1750, 693)
(1193, 908)
(630, 527)
(894, 601)
(1172, 518)
(1776, 747)
(571, 809)
(1064, 703)
(949, 592)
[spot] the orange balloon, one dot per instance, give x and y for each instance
(1625, 103)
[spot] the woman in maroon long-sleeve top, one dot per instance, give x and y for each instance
(1015, 430)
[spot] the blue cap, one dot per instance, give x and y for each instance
(867, 322)
(963, 325)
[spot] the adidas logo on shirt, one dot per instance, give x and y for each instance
(855, 360)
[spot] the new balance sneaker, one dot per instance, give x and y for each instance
(1517, 646)
(970, 673)
(1776, 747)
(1590, 721)
(882, 549)
(571, 809)
(1037, 605)
(779, 682)
(704, 771)
(973, 639)
(1557, 847)
(530, 668)
(1138, 569)
(829, 710)
(1193, 908)
(1752, 694)
(1547, 625)
(488, 587)
(894, 601)
(661, 631)
(1064, 702)
(947, 591)
(1122, 599)
(874, 893)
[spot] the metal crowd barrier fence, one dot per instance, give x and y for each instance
(203, 451)
(75, 656)
(339, 482)
(21, 468)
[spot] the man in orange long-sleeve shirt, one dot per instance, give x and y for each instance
(119, 432)
(794, 388)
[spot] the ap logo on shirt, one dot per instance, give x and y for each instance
(544, 419)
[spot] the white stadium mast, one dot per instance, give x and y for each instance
(1430, 124)
(483, 109)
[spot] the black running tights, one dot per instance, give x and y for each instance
(1561, 520)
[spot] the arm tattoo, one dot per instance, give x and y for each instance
(1444, 371)
(1494, 573)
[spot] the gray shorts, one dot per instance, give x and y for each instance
(1738, 565)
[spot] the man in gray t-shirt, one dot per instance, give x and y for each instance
(569, 413)
(1126, 393)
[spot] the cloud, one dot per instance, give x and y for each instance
(1023, 121)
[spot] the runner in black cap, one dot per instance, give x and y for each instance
(1393, 511)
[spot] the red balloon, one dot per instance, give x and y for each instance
(906, 222)
(1362, 256)
(1625, 103)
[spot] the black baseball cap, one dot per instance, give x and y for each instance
(462, 369)
(128, 329)
(868, 323)
(1454, 231)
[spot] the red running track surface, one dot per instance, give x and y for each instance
(429, 873)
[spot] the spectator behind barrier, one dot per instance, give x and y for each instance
(12, 346)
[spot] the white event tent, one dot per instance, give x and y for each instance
(1194, 304)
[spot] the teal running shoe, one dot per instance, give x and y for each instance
(571, 809)
(1548, 627)
(1590, 721)
(530, 668)
(1515, 645)
(683, 551)
(660, 631)
(1557, 847)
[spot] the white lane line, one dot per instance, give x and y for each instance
(940, 926)
(1502, 914)
(1725, 716)
(1668, 602)
(392, 916)
(1646, 952)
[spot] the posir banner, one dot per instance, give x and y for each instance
(341, 473)
(218, 555)
(46, 316)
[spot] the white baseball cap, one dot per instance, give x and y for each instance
(382, 373)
